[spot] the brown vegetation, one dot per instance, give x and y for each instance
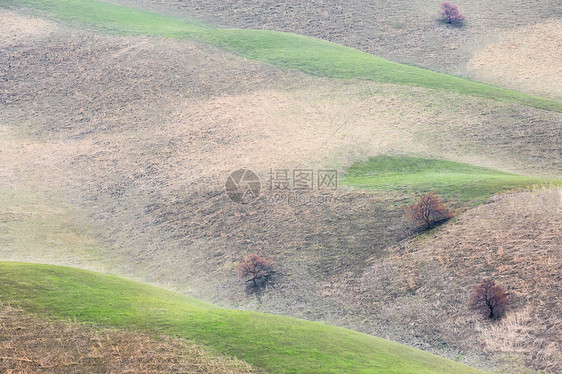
(525, 59)
(423, 286)
(450, 13)
(20, 29)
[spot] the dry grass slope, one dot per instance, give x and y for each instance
(515, 240)
(18, 28)
(525, 59)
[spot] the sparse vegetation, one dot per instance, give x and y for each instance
(489, 299)
(427, 211)
(130, 181)
(522, 59)
(255, 269)
(515, 240)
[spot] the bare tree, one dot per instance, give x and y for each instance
(450, 13)
(427, 210)
(490, 299)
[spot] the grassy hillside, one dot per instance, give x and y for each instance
(274, 343)
(32, 344)
(307, 54)
(462, 182)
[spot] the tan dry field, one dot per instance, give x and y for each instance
(29, 344)
(139, 172)
(526, 59)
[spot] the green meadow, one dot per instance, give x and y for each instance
(457, 181)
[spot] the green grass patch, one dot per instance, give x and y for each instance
(415, 175)
(273, 343)
(310, 55)
(112, 18)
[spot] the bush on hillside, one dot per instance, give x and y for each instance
(427, 211)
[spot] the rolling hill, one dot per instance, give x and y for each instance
(273, 343)
(306, 54)
(120, 126)
(508, 43)
(459, 182)
(32, 343)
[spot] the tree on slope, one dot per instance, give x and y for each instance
(450, 13)
(490, 299)
(427, 210)
(256, 269)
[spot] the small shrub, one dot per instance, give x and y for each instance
(256, 269)
(450, 13)
(490, 299)
(428, 210)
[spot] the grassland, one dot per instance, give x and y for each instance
(457, 181)
(288, 50)
(276, 344)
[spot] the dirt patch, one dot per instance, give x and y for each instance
(526, 59)
(31, 344)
